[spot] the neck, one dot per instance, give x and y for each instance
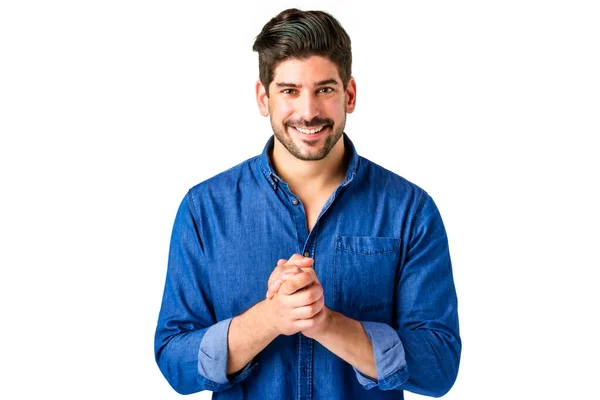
(313, 175)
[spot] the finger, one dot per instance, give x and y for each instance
(280, 263)
(309, 277)
(311, 272)
(275, 285)
(309, 310)
(303, 262)
(297, 282)
(291, 286)
(311, 293)
(274, 288)
(305, 296)
(307, 323)
(280, 268)
(283, 272)
(295, 257)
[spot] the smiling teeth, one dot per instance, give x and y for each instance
(309, 131)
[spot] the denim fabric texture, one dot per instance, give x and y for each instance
(381, 255)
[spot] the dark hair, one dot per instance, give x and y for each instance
(300, 34)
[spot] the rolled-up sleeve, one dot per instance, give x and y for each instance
(390, 360)
(212, 357)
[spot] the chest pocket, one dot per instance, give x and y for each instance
(364, 272)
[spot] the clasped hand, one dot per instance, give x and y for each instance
(295, 298)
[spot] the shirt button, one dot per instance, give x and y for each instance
(306, 254)
(275, 179)
(295, 202)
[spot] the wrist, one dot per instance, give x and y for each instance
(320, 332)
(265, 316)
(329, 321)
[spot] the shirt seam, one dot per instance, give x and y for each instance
(418, 213)
(193, 209)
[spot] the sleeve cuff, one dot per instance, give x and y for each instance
(390, 360)
(212, 359)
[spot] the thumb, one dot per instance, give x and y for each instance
(302, 263)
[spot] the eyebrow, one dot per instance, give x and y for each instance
(330, 81)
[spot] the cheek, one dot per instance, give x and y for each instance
(281, 109)
(335, 110)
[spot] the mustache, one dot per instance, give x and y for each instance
(313, 123)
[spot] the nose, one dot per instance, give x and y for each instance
(309, 107)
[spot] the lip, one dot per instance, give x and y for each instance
(307, 137)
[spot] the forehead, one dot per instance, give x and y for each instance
(306, 71)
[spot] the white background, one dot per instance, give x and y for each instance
(110, 111)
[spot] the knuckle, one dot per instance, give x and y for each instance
(291, 269)
(310, 276)
(315, 293)
(319, 291)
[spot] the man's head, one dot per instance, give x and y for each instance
(301, 34)
(305, 81)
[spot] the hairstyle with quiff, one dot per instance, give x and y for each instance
(301, 34)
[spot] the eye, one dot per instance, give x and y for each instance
(325, 90)
(289, 91)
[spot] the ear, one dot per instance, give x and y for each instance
(350, 95)
(262, 99)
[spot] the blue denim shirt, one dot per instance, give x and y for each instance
(381, 255)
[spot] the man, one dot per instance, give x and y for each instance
(360, 298)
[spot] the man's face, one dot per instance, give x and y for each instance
(307, 105)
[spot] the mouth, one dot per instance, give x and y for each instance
(311, 133)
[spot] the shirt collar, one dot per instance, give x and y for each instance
(269, 172)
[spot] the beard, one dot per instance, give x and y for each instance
(316, 153)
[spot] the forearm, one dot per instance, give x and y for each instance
(346, 338)
(433, 357)
(177, 358)
(249, 333)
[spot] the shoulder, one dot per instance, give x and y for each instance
(224, 185)
(228, 179)
(386, 181)
(417, 207)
